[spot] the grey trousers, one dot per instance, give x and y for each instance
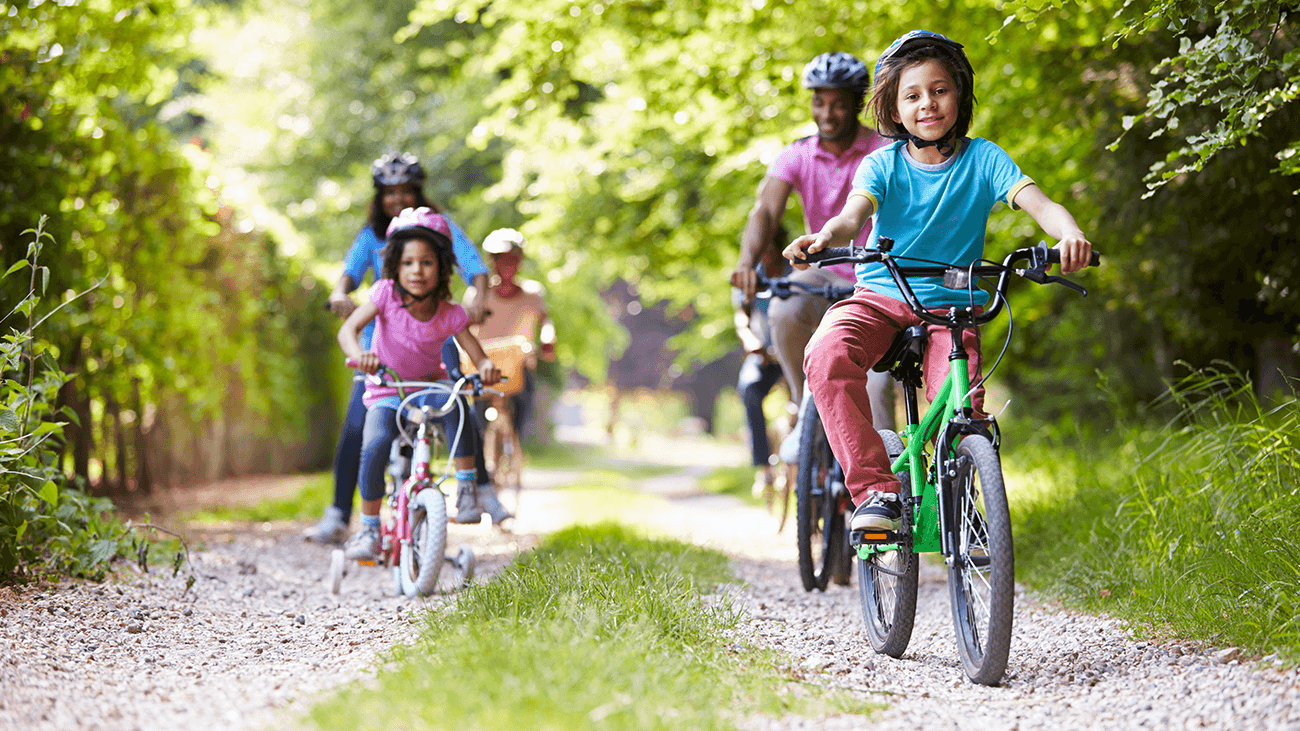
(793, 322)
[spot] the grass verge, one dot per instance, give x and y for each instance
(308, 504)
(1192, 529)
(598, 628)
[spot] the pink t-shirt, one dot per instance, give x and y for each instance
(823, 181)
(410, 348)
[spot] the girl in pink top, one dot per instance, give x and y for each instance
(414, 315)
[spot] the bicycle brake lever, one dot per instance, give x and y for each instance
(477, 383)
(1038, 274)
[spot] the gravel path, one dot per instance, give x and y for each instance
(259, 636)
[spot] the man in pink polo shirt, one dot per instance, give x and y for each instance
(820, 168)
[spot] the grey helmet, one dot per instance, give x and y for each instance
(397, 168)
(837, 71)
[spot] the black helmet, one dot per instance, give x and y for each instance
(836, 71)
(396, 168)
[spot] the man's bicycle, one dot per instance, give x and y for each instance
(956, 503)
(414, 532)
(822, 503)
(503, 448)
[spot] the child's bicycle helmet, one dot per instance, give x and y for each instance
(906, 46)
(419, 220)
(397, 168)
(502, 240)
(836, 71)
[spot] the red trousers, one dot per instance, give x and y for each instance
(852, 337)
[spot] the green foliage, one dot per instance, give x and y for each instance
(1192, 529)
(598, 628)
(305, 505)
(46, 525)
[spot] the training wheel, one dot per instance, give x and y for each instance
(337, 566)
(464, 563)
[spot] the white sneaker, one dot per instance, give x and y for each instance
(491, 504)
(330, 529)
(467, 510)
(366, 545)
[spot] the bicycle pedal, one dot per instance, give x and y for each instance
(368, 563)
(871, 537)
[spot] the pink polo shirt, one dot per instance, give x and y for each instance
(823, 181)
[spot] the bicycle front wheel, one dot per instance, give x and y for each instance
(423, 556)
(819, 524)
(981, 577)
(887, 580)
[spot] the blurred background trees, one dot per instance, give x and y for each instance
(211, 160)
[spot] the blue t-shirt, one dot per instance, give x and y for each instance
(936, 212)
(366, 255)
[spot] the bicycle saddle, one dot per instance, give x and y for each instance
(905, 353)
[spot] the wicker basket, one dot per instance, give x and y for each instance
(510, 355)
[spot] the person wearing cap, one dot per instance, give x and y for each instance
(399, 184)
(820, 169)
(515, 307)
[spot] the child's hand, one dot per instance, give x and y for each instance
(1076, 252)
(367, 363)
(488, 371)
(798, 249)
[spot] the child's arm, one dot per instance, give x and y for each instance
(839, 231)
(351, 344)
(1059, 224)
(487, 370)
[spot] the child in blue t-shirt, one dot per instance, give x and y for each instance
(931, 191)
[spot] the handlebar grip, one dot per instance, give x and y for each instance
(835, 252)
(1054, 257)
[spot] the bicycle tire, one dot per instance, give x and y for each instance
(423, 556)
(981, 577)
(816, 522)
(887, 581)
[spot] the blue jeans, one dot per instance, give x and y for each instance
(381, 429)
(757, 377)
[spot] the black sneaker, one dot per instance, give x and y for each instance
(881, 512)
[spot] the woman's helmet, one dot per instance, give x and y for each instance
(836, 71)
(397, 168)
(950, 50)
(502, 240)
(419, 220)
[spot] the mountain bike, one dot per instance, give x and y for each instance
(822, 503)
(954, 504)
(414, 531)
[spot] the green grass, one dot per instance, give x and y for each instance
(1191, 530)
(308, 504)
(599, 628)
(734, 481)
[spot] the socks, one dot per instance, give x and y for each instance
(370, 522)
(466, 475)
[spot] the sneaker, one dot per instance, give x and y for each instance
(366, 545)
(488, 501)
(881, 511)
(789, 451)
(467, 509)
(331, 528)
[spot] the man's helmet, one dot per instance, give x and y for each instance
(503, 240)
(419, 220)
(836, 71)
(397, 168)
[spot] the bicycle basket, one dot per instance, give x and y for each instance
(510, 354)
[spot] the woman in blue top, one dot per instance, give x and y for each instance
(931, 191)
(399, 180)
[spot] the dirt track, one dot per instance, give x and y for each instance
(259, 635)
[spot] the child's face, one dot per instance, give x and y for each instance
(832, 110)
(396, 198)
(927, 100)
(507, 264)
(418, 271)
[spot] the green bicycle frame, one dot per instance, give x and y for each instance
(952, 398)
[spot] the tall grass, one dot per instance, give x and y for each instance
(1193, 528)
(598, 628)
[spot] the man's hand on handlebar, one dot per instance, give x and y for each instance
(1076, 252)
(488, 371)
(745, 279)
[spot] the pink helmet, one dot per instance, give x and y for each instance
(419, 218)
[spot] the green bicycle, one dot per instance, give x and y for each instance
(955, 504)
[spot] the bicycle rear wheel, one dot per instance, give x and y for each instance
(422, 556)
(819, 524)
(981, 577)
(887, 579)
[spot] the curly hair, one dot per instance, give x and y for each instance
(442, 250)
(884, 95)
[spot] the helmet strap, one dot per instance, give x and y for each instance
(946, 145)
(404, 294)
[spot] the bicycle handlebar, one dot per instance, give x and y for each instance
(380, 378)
(955, 277)
(784, 287)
